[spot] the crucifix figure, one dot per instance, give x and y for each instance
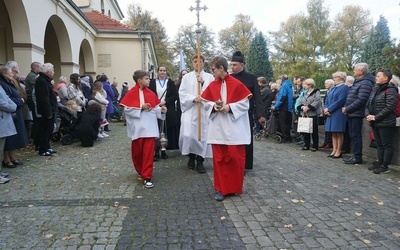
(198, 31)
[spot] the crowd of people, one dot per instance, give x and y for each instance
(202, 115)
(30, 106)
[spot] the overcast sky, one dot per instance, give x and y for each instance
(266, 14)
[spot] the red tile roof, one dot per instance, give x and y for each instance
(103, 22)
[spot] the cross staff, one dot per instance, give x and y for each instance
(198, 31)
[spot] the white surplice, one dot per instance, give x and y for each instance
(188, 137)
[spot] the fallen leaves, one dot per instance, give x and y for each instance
(358, 214)
(48, 236)
(396, 235)
(380, 203)
(68, 237)
(222, 218)
(288, 226)
(367, 241)
(309, 225)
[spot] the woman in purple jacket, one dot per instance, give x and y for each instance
(110, 97)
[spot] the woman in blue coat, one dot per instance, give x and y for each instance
(336, 120)
(19, 140)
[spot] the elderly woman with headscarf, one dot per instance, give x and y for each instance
(335, 119)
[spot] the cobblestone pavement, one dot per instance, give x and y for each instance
(90, 198)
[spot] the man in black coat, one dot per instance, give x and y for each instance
(256, 109)
(355, 108)
(46, 108)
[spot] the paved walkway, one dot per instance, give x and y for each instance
(90, 198)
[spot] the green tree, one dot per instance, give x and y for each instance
(350, 28)
(238, 36)
(393, 55)
(300, 42)
(187, 38)
(258, 58)
(377, 41)
(143, 20)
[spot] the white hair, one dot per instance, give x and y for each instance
(362, 66)
(46, 67)
(350, 79)
(12, 64)
(340, 74)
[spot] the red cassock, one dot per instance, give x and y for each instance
(228, 160)
(142, 149)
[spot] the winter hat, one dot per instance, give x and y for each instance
(125, 84)
(238, 57)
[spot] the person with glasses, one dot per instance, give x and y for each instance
(227, 104)
(189, 98)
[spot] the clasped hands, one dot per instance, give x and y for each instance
(219, 107)
(147, 107)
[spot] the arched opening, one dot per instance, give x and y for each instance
(86, 60)
(6, 37)
(57, 46)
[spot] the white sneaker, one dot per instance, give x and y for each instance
(99, 135)
(148, 184)
(4, 180)
(104, 134)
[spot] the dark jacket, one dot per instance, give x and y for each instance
(46, 100)
(358, 96)
(256, 103)
(382, 103)
(171, 96)
(88, 128)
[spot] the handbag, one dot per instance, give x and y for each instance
(305, 125)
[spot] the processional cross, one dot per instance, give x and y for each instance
(198, 31)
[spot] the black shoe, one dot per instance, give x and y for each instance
(200, 168)
(353, 161)
(339, 156)
(47, 153)
(191, 163)
(164, 155)
(348, 159)
(52, 151)
(305, 148)
(381, 170)
(219, 196)
(156, 156)
(8, 165)
(15, 162)
(374, 165)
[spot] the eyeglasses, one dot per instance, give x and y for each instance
(212, 69)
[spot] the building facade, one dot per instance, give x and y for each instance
(84, 37)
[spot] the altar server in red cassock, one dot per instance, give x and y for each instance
(142, 111)
(227, 103)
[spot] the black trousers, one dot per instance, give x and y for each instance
(384, 143)
(314, 135)
(285, 122)
(249, 148)
(44, 132)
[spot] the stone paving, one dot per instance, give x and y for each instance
(90, 198)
